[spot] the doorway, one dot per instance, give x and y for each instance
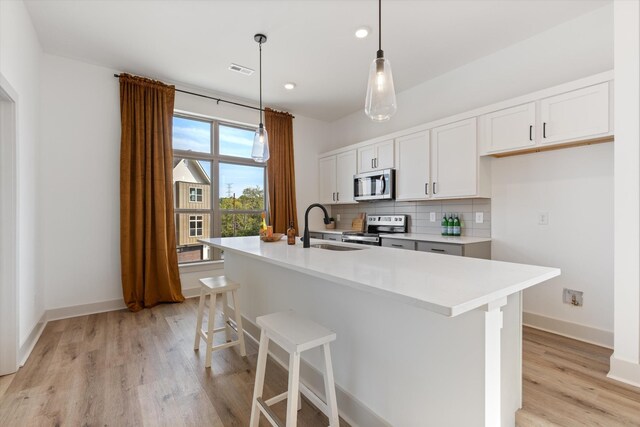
(9, 344)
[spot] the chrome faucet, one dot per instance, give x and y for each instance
(305, 238)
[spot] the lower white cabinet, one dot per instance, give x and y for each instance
(473, 250)
(332, 236)
(399, 243)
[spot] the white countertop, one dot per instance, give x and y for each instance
(457, 240)
(449, 285)
(331, 231)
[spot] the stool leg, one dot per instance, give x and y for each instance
(210, 328)
(261, 366)
(225, 310)
(292, 397)
(196, 344)
(330, 388)
(236, 309)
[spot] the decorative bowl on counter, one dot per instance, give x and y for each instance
(274, 238)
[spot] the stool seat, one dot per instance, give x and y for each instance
(219, 283)
(293, 332)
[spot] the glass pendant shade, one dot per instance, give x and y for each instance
(260, 151)
(380, 103)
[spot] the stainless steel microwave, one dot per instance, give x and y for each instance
(376, 185)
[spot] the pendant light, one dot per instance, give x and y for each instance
(380, 103)
(260, 150)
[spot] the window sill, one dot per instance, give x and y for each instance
(201, 266)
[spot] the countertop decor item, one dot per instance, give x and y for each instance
(260, 151)
(331, 225)
(274, 238)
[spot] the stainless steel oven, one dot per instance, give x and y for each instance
(377, 224)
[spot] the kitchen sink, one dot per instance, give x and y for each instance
(331, 247)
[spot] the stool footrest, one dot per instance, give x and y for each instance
(268, 412)
(225, 345)
(276, 399)
(314, 398)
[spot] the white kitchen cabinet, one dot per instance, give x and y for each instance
(376, 156)
(412, 168)
(509, 129)
(336, 178)
(454, 160)
(576, 115)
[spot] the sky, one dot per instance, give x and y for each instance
(195, 135)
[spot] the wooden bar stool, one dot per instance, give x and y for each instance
(213, 286)
(295, 334)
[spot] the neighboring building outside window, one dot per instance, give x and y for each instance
(218, 188)
(195, 194)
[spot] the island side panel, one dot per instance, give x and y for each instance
(410, 366)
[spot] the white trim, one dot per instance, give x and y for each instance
(579, 332)
(32, 339)
(530, 97)
(9, 229)
(624, 371)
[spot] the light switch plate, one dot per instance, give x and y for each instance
(338, 217)
(479, 217)
(432, 216)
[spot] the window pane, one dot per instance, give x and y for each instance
(235, 141)
(241, 187)
(191, 184)
(189, 228)
(191, 135)
(235, 224)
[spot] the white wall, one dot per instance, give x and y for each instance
(575, 49)
(79, 177)
(575, 186)
(20, 56)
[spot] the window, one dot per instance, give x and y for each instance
(218, 188)
(195, 226)
(195, 194)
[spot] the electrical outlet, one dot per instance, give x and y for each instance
(338, 217)
(543, 218)
(479, 217)
(432, 216)
(570, 296)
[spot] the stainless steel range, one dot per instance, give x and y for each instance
(376, 225)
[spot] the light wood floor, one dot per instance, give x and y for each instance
(565, 383)
(121, 369)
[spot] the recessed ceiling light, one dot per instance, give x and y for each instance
(362, 32)
(290, 86)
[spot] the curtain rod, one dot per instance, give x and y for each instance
(218, 100)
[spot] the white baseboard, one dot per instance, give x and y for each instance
(350, 408)
(32, 339)
(576, 331)
(626, 372)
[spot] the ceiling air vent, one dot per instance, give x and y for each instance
(240, 69)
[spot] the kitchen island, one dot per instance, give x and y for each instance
(423, 339)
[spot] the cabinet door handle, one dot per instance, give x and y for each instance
(396, 245)
(434, 188)
(372, 166)
(426, 189)
(544, 130)
(338, 196)
(530, 132)
(437, 250)
(333, 196)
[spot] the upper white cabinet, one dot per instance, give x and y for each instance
(580, 114)
(336, 178)
(376, 156)
(454, 160)
(412, 167)
(510, 129)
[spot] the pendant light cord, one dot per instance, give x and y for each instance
(260, 45)
(379, 25)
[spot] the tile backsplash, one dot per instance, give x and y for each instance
(419, 213)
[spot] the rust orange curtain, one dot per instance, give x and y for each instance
(281, 171)
(147, 226)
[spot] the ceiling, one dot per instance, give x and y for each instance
(311, 43)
